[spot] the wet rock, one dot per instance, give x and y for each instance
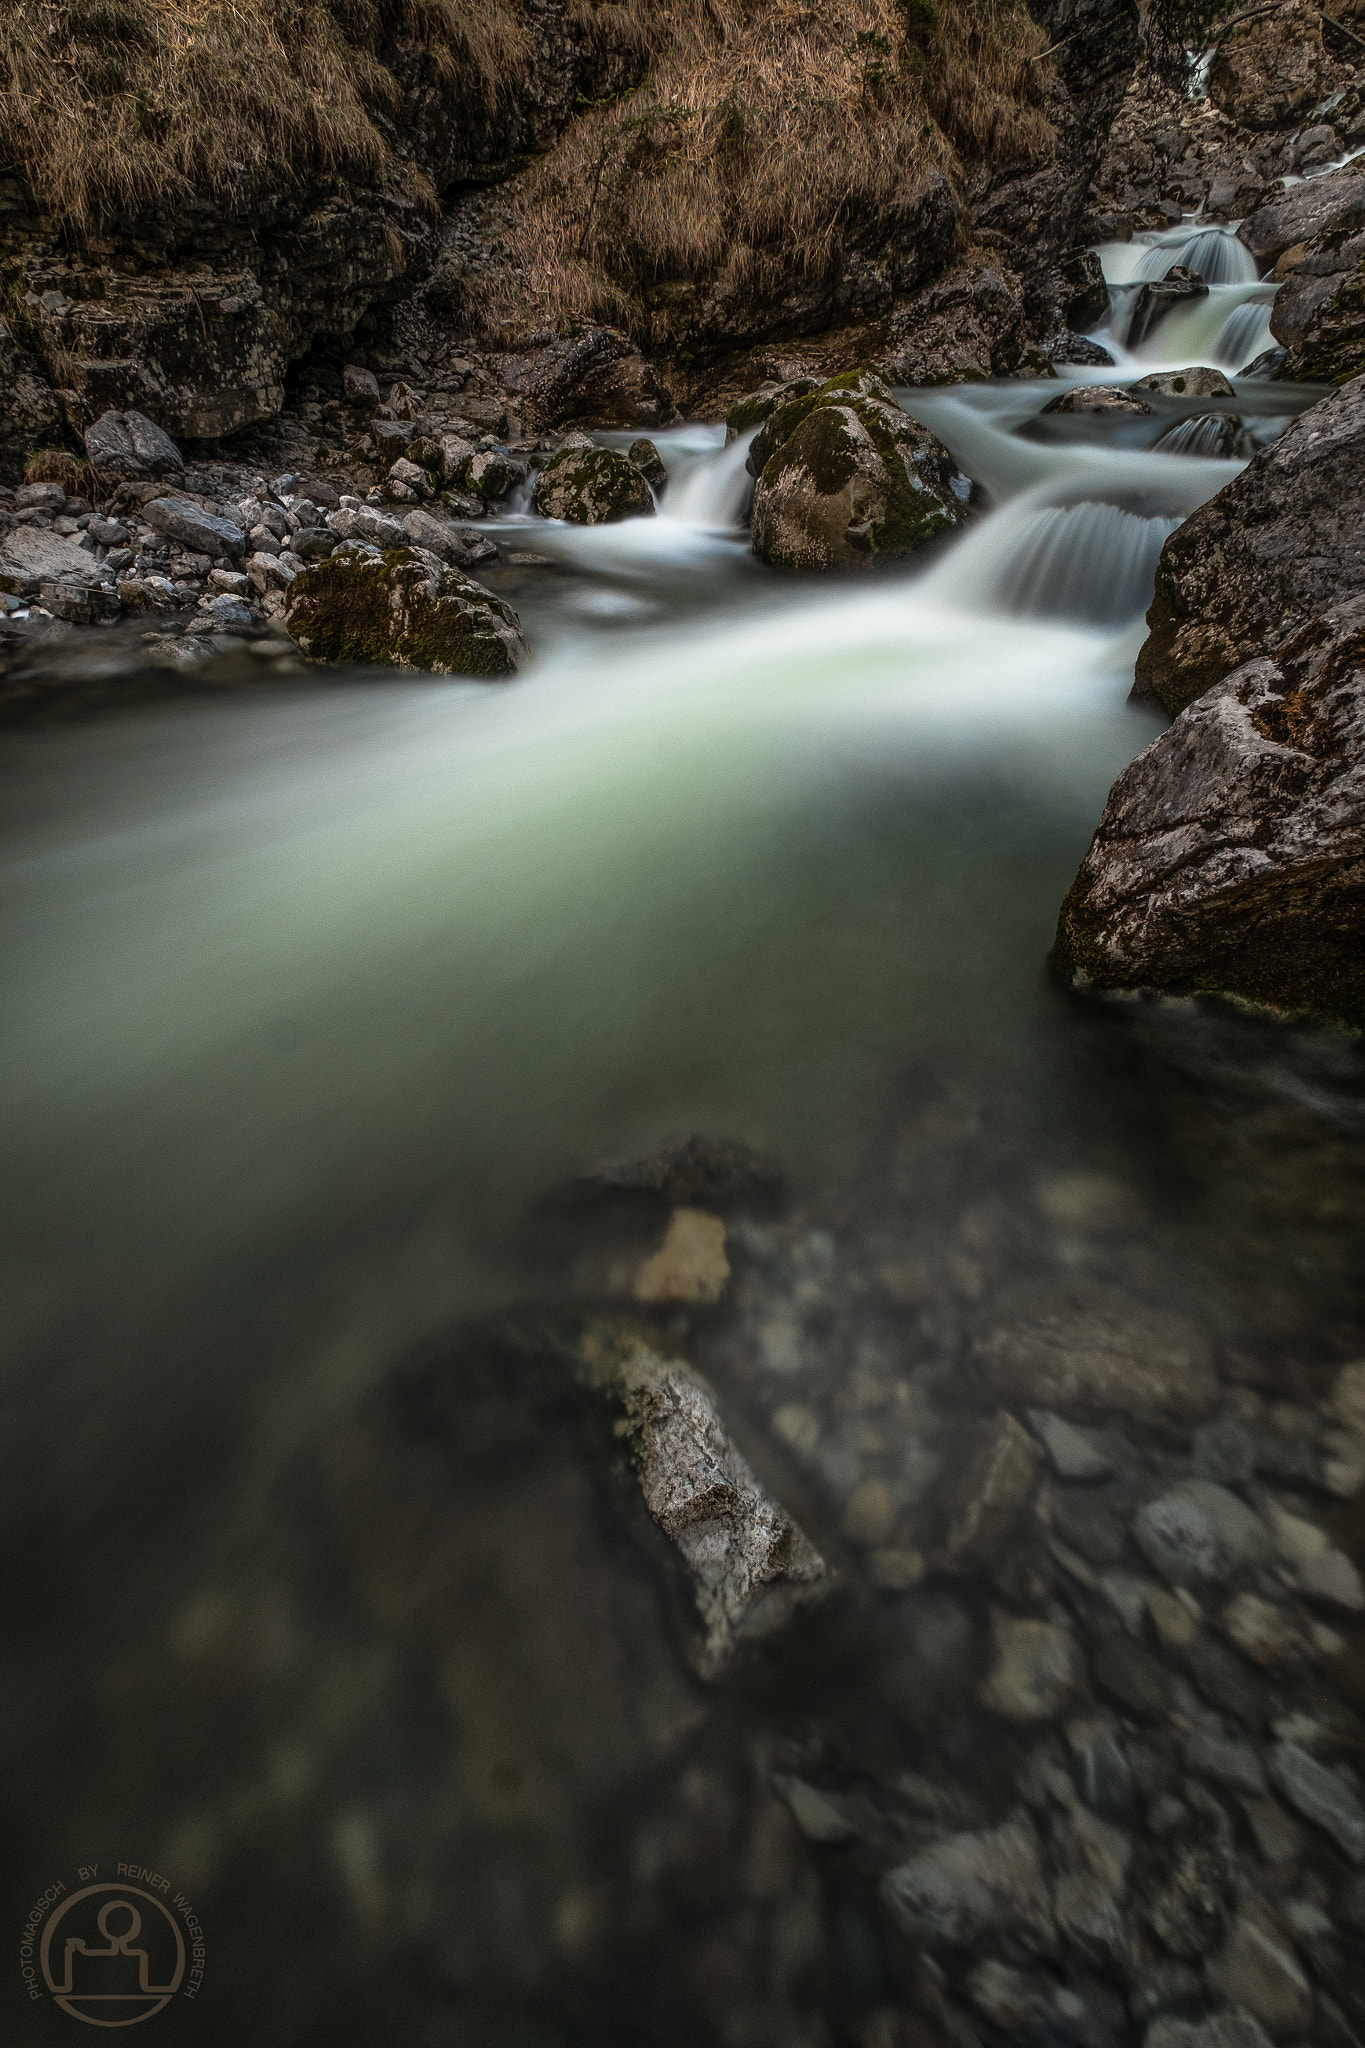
(1226, 1760)
(649, 462)
(974, 1887)
(1154, 301)
(1200, 1532)
(403, 610)
(749, 412)
(750, 1566)
(821, 1816)
(1198, 382)
(845, 478)
(492, 473)
(698, 1173)
(1093, 1354)
(1320, 1796)
(985, 1488)
(592, 487)
(1271, 71)
(181, 519)
(1081, 350)
(598, 380)
(967, 325)
(1315, 206)
(128, 444)
(690, 1264)
(1319, 310)
(1224, 2030)
(1070, 1451)
(1097, 398)
(1036, 1673)
(1127, 1673)
(1231, 853)
(313, 543)
(1258, 1971)
(1087, 1523)
(1082, 295)
(1264, 1632)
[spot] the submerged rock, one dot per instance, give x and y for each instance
(845, 478)
(974, 1887)
(1096, 398)
(592, 487)
(406, 609)
(1096, 1355)
(749, 1564)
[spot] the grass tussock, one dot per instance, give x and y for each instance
(765, 134)
(110, 103)
(60, 466)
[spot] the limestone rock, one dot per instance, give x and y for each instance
(1092, 1354)
(404, 609)
(972, 1888)
(649, 462)
(1231, 852)
(181, 519)
(845, 478)
(750, 1566)
(1096, 398)
(966, 326)
(598, 380)
(592, 487)
(128, 444)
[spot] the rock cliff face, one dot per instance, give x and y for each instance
(1231, 854)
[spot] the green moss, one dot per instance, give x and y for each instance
(357, 610)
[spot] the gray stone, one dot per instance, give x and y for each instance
(592, 487)
(230, 611)
(493, 473)
(1331, 1578)
(313, 543)
(1200, 1533)
(360, 385)
(366, 522)
(1257, 1970)
(986, 1486)
(749, 1564)
(1225, 1759)
(1071, 1453)
(1037, 1670)
(649, 462)
(1097, 398)
(821, 1816)
(1200, 381)
(39, 498)
(181, 519)
(1225, 1451)
(107, 533)
(128, 444)
(439, 537)
(1091, 1353)
(1225, 2030)
(975, 1887)
(1314, 207)
(1320, 1796)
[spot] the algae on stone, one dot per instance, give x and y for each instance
(405, 608)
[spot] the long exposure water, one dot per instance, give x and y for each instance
(309, 1001)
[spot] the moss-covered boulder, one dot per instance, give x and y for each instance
(406, 608)
(846, 479)
(592, 487)
(750, 411)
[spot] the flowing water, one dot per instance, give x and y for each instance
(309, 1000)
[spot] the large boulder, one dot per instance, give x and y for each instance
(1270, 71)
(599, 379)
(406, 609)
(846, 479)
(1315, 206)
(1319, 310)
(1231, 854)
(128, 444)
(592, 487)
(205, 532)
(1281, 544)
(964, 327)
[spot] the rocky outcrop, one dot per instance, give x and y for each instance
(598, 379)
(406, 609)
(29, 414)
(966, 326)
(1280, 545)
(845, 479)
(1272, 70)
(1315, 236)
(1231, 854)
(1317, 206)
(592, 487)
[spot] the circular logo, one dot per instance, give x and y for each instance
(114, 1953)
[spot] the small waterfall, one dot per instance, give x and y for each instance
(714, 491)
(1089, 562)
(1244, 334)
(1213, 253)
(1224, 328)
(1208, 434)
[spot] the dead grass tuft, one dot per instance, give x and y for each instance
(764, 137)
(109, 103)
(60, 466)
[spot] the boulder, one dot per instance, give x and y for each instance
(600, 379)
(1319, 311)
(965, 327)
(1269, 72)
(1096, 398)
(649, 462)
(749, 412)
(592, 487)
(406, 609)
(1089, 1353)
(205, 532)
(845, 479)
(424, 530)
(1315, 206)
(29, 413)
(972, 1888)
(1280, 545)
(1153, 302)
(128, 444)
(492, 473)
(1079, 349)
(1231, 853)
(749, 1565)
(29, 555)
(1197, 382)
(360, 386)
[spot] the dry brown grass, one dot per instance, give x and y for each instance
(767, 132)
(108, 103)
(60, 466)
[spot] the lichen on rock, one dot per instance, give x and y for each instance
(592, 487)
(845, 478)
(407, 609)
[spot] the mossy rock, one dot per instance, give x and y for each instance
(592, 487)
(750, 411)
(493, 472)
(407, 609)
(845, 479)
